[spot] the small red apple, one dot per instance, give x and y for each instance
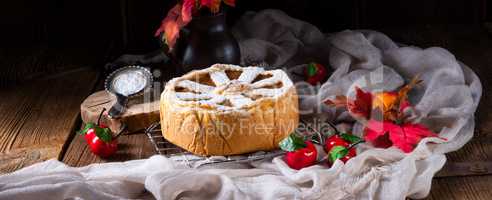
(302, 158)
(99, 138)
(335, 140)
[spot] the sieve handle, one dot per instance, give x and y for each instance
(119, 107)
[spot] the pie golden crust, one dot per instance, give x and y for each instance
(228, 110)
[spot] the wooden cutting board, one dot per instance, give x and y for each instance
(138, 115)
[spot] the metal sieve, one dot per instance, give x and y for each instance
(125, 83)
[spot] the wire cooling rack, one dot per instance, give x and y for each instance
(181, 156)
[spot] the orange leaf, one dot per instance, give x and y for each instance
(390, 104)
(394, 103)
(403, 93)
(384, 100)
(171, 25)
(171, 33)
(215, 5)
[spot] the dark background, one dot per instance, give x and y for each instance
(129, 24)
(92, 31)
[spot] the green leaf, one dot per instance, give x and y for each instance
(311, 69)
(337, 152)
(350, 138)
(86, 128)
(104, 134)
(292, 143)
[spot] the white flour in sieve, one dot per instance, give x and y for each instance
(129, 83)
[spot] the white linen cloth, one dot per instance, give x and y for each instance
(445, 102)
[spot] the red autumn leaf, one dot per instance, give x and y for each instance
(404, 105)
(405, 137)
(376, 133)
(205, 3)
(171, 25)
(412, 134)
(230, 2)
(361, 106)
(186, 11)
(181, 14)
(214, 5)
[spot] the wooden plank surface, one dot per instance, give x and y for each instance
(37, 118)
(461, 188)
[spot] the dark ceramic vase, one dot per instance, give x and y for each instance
(206, 40)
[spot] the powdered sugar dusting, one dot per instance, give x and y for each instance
(239, 101)
(278, 77)
(229, 95)
(129, 83)
(194, 86)
(214, 101)
(249, 74)
(219, 78)
(188, 96)
(266, 92)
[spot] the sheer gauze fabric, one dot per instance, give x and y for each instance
(445, 102)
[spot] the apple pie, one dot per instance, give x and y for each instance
(228, 110)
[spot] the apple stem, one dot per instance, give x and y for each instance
(333, 127)
(321, 139)
(100, 116)
(355, 144)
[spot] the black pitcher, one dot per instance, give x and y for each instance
(206, 40)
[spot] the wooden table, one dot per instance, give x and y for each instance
(39, 117)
